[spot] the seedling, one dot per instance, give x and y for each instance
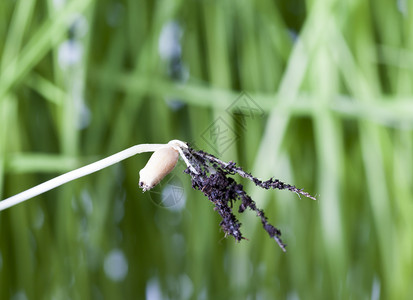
(208, 174)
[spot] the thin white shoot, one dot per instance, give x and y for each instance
(86, 170)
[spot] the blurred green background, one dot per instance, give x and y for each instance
(315, 93)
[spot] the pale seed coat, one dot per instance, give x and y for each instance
(161, 163)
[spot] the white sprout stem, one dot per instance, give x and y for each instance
(75, 174)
